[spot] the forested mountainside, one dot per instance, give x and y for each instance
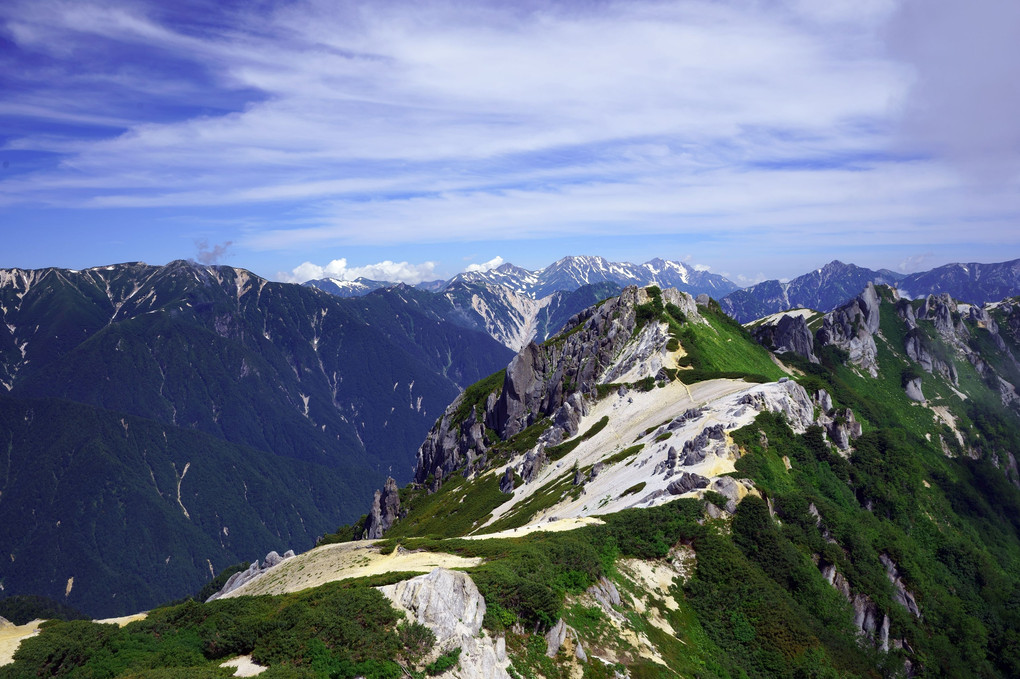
(202, 412)
(652, 493)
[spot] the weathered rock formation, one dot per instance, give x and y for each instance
(942, 311)
(385, 510)
(534, 462)
(732, 489)
(901, 595)
(841, 426)
(791, 400)
(851, 328)
(254, 570)
(913, 389)
(608, 597)
(687, 482)
(789, 334)
(449, 604)
(555, 637)
(868, 619)
(506, 483)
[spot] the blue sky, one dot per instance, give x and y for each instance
(410, 140)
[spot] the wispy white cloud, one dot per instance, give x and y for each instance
(916, 262)
(485, 266)
(436, 121)
(395, 272)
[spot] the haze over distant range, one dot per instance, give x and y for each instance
(410, 141)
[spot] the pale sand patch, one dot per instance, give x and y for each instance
(124, 619)
(614, 653)
(655, 577)
(245, 666)
(342, 561)
(549, 526)
(942, 413)
(11, 636)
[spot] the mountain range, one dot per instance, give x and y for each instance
(564, 275)
(822, 289)
(652, 493)
(147, 408)
(835, 283)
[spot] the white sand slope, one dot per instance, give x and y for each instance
(124, 619)
(11, 637)
(343, 561)
(630, 416)
(244, 666)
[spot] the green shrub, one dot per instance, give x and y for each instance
(444, 662)
(636, 488)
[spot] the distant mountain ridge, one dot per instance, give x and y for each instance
(837, 283)
(357, 288)
(973, 283)
(571, 273)
(515, 306)
(822, 289)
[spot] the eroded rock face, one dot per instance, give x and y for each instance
(842, 427)
(905, 310)
(731, 489)
(789, 334)
(687, 482)
(449, 604)
(556, 380)
(385, 510)
(852, 326)
(790, 399)
(607, 596)
(254, 570)
(534, 462)
(688, 416)
(555, 637)
(913, 389)
(868, 619)
(697, 449)
(942, 311)
(823, 400)
(916, 347)
(506, 483)
(901, 595)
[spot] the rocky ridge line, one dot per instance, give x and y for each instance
(555, 380)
